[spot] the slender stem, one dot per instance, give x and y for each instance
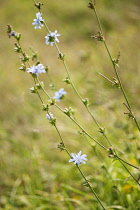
(23, 53)
(73, 120)
(115, 69)
(97, 142)
(96, 122)
(36, 80)
(117, 74)
(80, 170)
(73, 86)
(116, 188)
(43, 89)
(78, 94)
(38, 92)
(59, 135)
(76, 165)
(89, 134)
(121, 86)
(66, 68)
(76, 91)
(127, 162)
(136, 122)
(98, 20)
(106, 78)
(130, 173)
(46, 26)
(122, 89)
(81, 97)
(104, 167)
(121, 160)
(91, 187)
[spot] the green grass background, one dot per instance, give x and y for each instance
(35, 175)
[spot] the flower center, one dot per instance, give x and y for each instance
(51, 38)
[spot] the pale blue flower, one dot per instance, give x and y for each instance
(12, 33)
(51, 38)
(36, 69)
(38, 22)
(59, 94)
(78, 159)
(49, 116)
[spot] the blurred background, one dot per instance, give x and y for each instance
(34, 173)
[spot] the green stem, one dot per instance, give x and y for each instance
(70, 156)
(80, 170)
(76, 91)
(81, 97)
(121, 86)
(87, 132)
(117, 74)
(116, 188)
(97, 142)
(136, 122)
(73, 86)
(23, 54)
(38, 92)
(73, 119)
(46, 26)
(60, 135)
(91, 188)
(115, 69)
(120, 159)
(130, 173)
(98, 20)
(93, 138)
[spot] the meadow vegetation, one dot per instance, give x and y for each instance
(35, 174)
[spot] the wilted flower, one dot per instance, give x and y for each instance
(13, 33)
(51, 38)
(77, 159)
(36, 69)
(33, 90)
(49, 116)
(59, 94)
(38, 22)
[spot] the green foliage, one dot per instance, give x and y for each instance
(35, 175)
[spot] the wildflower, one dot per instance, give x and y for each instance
(33, 90)
(13, 33)
(49, 116)
(77, 159)
(36, 69)
(59, 94)
(51, 38)
(38, 22)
